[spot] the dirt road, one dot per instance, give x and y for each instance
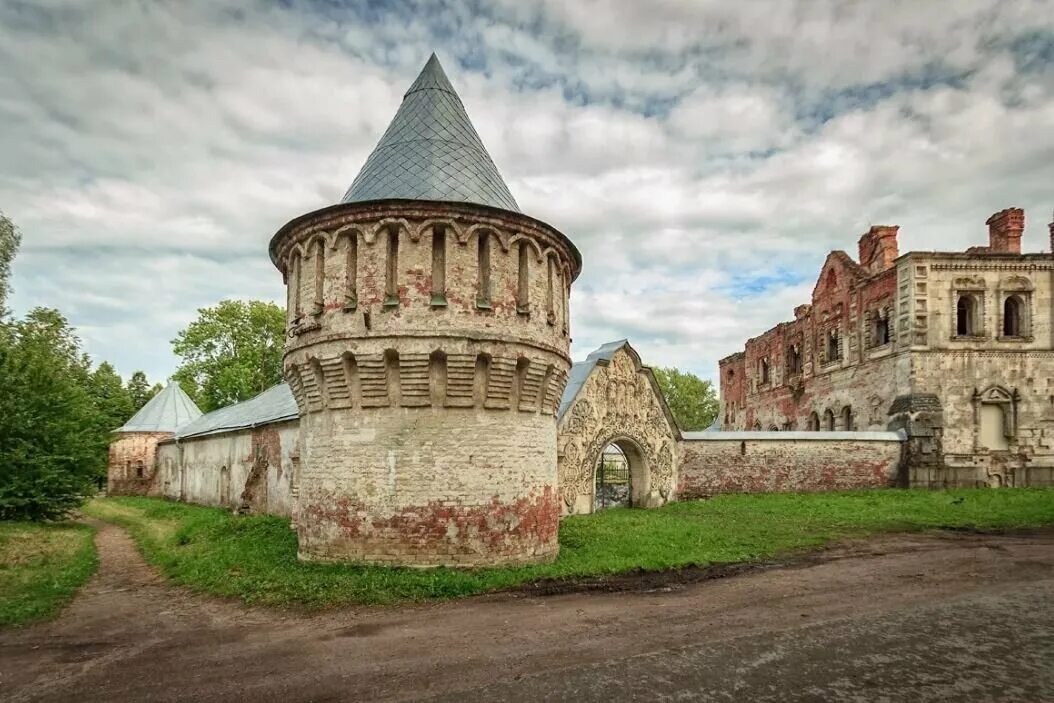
(938, 617)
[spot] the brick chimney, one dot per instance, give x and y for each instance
(1004, 230)
(878, 248)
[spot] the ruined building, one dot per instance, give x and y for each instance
(955, 348)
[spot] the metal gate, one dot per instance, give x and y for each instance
(612, 483)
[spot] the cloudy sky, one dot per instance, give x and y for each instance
(704, 156)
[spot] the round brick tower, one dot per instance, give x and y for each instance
(428, 351)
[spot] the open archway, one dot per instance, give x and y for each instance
(620, 476)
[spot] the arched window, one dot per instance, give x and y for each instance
(828, 420)
(774, 428)
(965, 316)
(483, 270)
(523, 286)
(318, 303)
(351, 270)
(550, 310)
(764, 370)
(1012, 317)
(438, 266)
(294, 288)
(814, 422)
(847, 418)
(391, 270)
(138, 469)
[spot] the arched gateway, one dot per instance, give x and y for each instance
(612, 399)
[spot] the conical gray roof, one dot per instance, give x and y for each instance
(165, 412)
(431, 151)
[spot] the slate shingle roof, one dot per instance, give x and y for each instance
(431, 151)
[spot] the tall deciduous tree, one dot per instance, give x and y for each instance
(9, 241)
(50, 441)
(140, 390)
(231, 352)
(692, 400)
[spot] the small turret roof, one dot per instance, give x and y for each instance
(165, 412)
(431, 151)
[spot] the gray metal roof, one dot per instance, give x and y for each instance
(581, 370)
(275, 404)
(431, 151)
(165, 412)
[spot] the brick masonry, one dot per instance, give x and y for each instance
(428, 350)
(773, 462)
(888, 329)
(131, 466)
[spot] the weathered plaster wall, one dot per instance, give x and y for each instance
(131, 467)
(618, 402)
(766, 462)
(247, 469)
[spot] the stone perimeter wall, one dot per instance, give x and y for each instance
(775, 462)
(249, 470)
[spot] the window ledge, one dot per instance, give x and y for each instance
(392, 301)
(524, 310)
(483, 304)
(1015, 338)
(438, 300)
(969, 337)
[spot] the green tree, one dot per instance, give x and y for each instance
(113, 407)
(9, 242)
(231, 352)
(692, 400)
(140, 391)
(49, 440)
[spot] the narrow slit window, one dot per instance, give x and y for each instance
(319, 301)
(391, 278)
(483, 267)
(351, 273)
(438, 266)
(294, 289)
(522, 282)
(550, 312)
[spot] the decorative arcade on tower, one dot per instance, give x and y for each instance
(428, 350)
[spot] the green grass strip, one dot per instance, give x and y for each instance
(41, 568)
(253, 558)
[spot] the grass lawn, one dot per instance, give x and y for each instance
(253, 558)
(41, 568)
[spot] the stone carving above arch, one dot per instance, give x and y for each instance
(617, 399)
(1016, 284)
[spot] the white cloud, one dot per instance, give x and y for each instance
(704, 156)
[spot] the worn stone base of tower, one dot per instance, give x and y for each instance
(428, 350)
